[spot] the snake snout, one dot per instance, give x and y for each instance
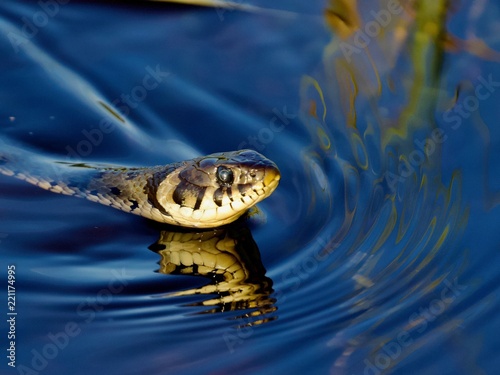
(271, 177)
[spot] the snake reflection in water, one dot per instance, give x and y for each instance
(227, 256)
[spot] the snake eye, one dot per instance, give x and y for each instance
(225, 176)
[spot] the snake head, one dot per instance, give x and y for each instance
(217, 189)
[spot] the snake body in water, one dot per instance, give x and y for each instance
(203, 192)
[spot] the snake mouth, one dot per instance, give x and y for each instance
(272, 178)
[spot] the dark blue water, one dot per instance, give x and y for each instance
(380, 244)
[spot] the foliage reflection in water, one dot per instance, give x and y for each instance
(395, 241)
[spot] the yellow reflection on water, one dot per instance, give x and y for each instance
(380, 97)
(229, 258)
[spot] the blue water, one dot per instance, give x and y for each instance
(382, 254)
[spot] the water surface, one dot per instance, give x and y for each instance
(378, 252)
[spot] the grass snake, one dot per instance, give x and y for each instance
(203, 192)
